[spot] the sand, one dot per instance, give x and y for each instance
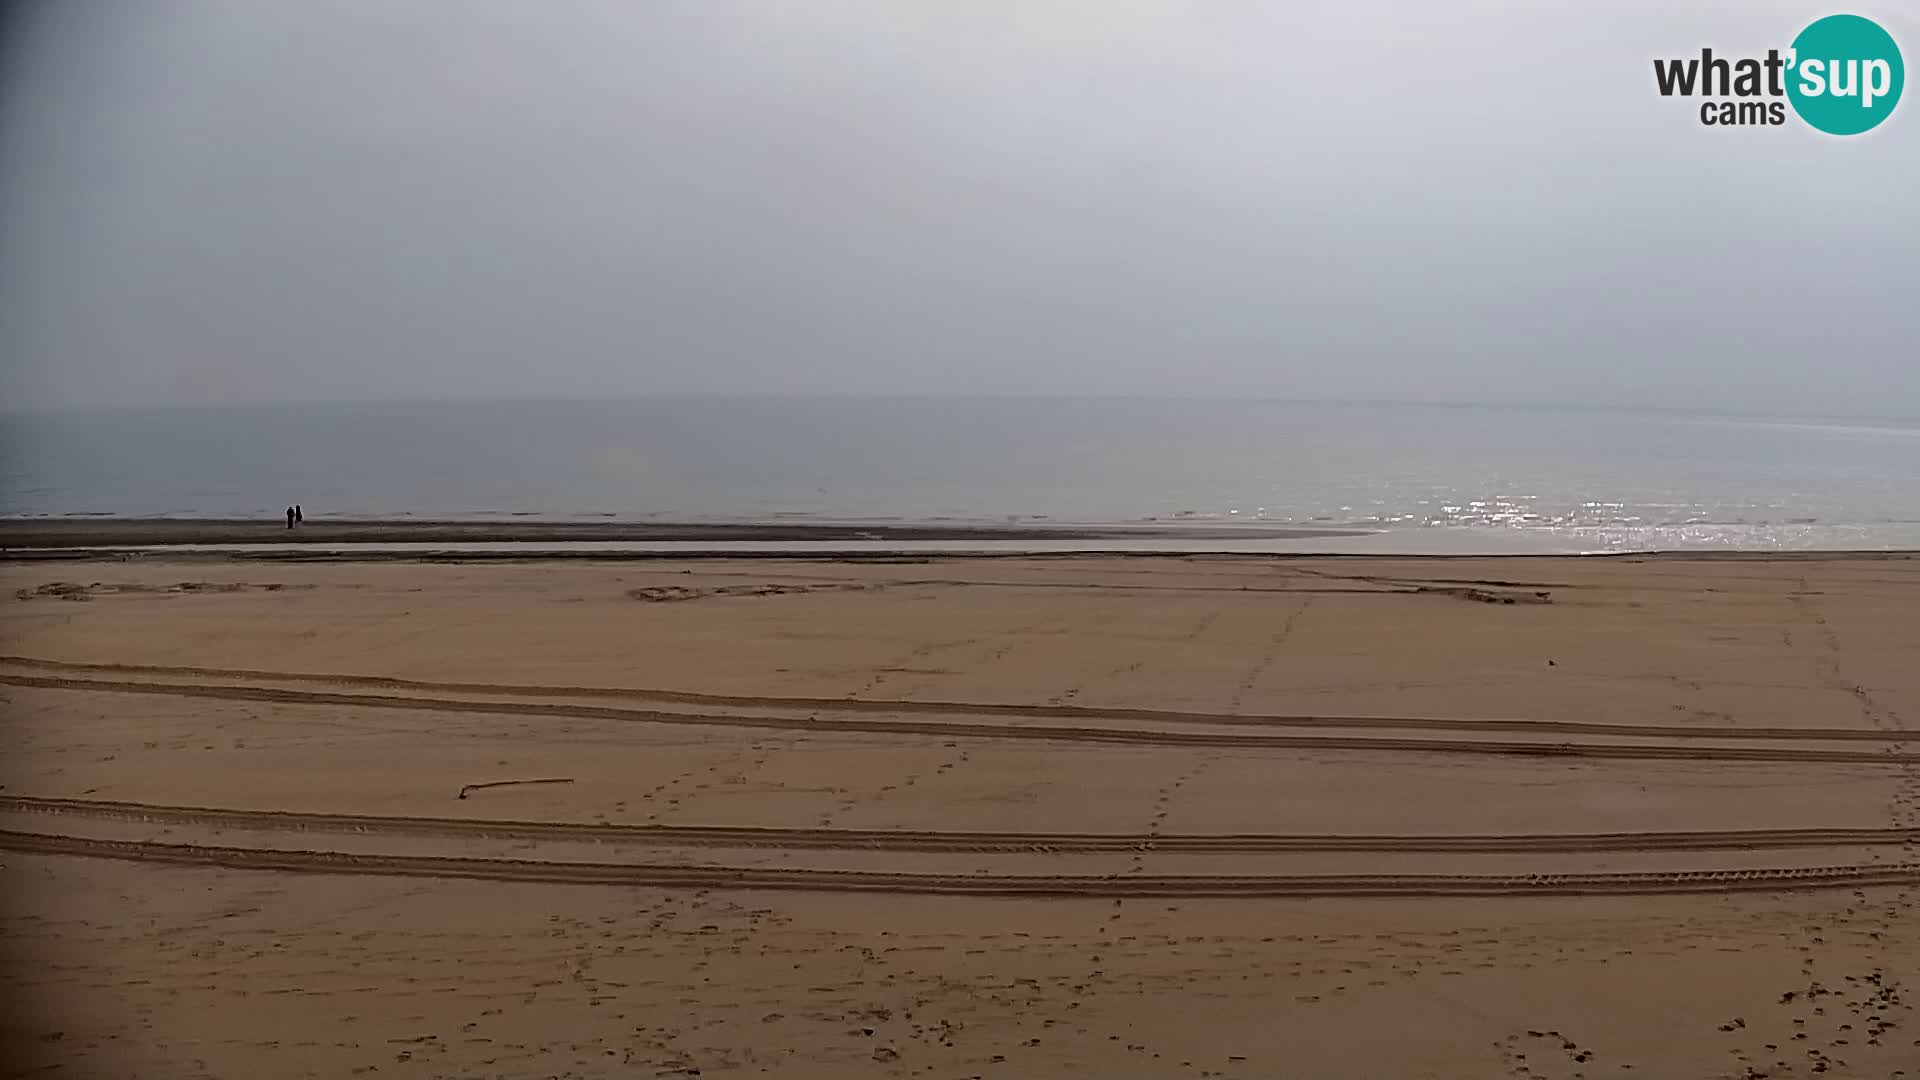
(1101, 817)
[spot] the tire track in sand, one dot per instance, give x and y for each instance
(955, 729)
(961, 708)
(744, 877)
(914, 840)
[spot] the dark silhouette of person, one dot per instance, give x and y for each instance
(289, 517)
(299, 518)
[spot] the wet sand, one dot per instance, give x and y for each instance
(1097, 817)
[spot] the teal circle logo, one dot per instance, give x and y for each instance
(1845, 74)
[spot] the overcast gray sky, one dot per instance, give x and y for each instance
(247, 200)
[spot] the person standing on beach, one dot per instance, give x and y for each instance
(299, 517)
(289, 517)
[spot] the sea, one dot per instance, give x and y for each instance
(1456, 478)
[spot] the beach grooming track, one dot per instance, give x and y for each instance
(1145, 727)
(739, 877)
(915, 720)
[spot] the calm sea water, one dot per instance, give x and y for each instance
(1614, 478)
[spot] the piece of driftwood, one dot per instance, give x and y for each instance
(506, 783)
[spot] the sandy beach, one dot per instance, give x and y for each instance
(955, 817)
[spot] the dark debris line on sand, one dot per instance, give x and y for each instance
(509, 783)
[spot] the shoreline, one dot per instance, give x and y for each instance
(775, 553)
(42, 533)
(460, 540)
